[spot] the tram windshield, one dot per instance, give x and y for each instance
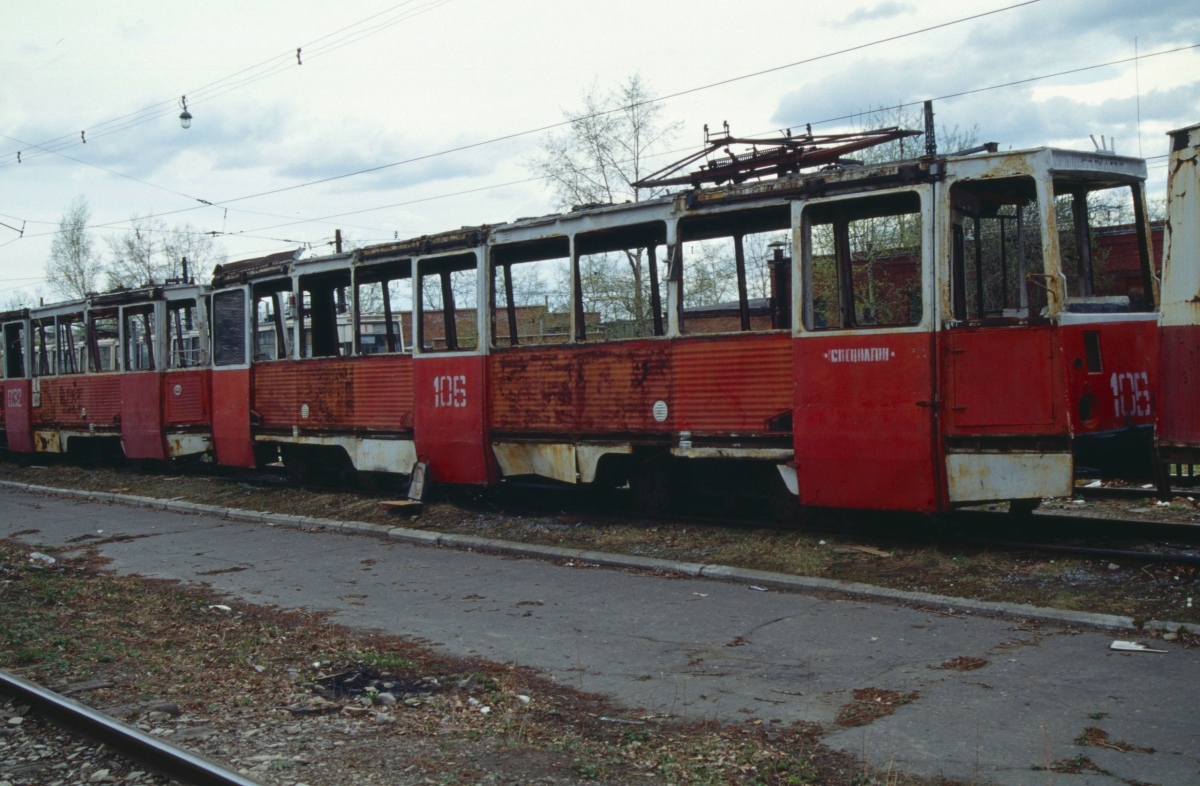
(1102, 244)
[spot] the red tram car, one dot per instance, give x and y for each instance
(117, 375)
(933, 339)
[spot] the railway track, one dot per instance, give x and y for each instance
(154, 752)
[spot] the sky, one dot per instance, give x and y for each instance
(381, 83)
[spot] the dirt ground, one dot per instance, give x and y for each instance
(879, 550)
(291, 699)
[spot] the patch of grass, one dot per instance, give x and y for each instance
(977, 573)
(870, 704)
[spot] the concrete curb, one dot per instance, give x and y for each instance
(754, 578)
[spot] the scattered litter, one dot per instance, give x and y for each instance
(874, 638)
(1095, 484)
(874, 552)
(1080, 501)
(757, 588)
(1131, 646)
(622, 720)
(1113, 566)
(38, 556)
(821, 543)
(1148, 486)
(484, 710)
(474, 702)
(1189, 603)
(1161, 504)
(701, 594)
(219, 607)
(786, 692)
(99, 530)
(523, 699)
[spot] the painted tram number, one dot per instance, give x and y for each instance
(1131, 394)
(450, 391)
(13, 398)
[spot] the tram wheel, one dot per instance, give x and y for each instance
(653, 487)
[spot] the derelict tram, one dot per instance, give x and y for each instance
(1178, 416)
(934, 339)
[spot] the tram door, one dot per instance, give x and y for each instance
(1002, 421)
(231, 336)
(18, 389)
(450, 370)
(864, 415)
(141, 384)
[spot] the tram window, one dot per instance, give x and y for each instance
(43, 347)
(997, 268)
(1102, 246)
(183, 335)
(229, 328)
(323, 309)
(272, 315)
(102, 336)
(383, 298)
(14, 351)
(620, 282)
(69, 335)
(862, 262)
(446, 300)
(139, 338)
(731, 274)
(531, 293)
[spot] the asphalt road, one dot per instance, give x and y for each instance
(699, 648)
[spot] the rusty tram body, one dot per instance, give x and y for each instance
(928, 336)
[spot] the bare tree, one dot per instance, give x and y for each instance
(152, 253)
(602, 154)
(74, 265)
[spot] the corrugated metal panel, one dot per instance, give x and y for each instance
(61, 401)
(324, 394)
(383, 393)
(186, 395)
(102, 397)
(593, 389)
(64, 399)
(722, 385)
(273, 393)
(337, 394)
(533, 389)
(732, 383)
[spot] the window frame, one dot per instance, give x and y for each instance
(802, 286)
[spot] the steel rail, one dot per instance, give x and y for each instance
(153, 751)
